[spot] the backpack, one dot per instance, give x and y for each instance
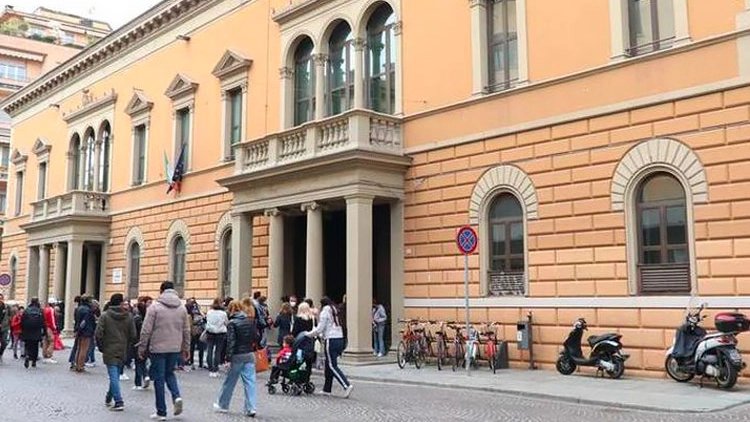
(32, 319)
(260, 318)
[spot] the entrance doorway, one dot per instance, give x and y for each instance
(334, 254)
(381, 261)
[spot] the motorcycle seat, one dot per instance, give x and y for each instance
(596, 339)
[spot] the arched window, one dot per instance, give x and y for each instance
(89, 160)
(507, 238)
(178, 264)
(340, 69)
(226, 264)
(103, 159)
(304, 82)
(74, 162)
(134, 269)
(13, 279)
(381, 60)
(663, 253)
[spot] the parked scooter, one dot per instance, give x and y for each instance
(606, 352)
(715, 355)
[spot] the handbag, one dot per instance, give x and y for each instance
(204, 337)
(261, 361)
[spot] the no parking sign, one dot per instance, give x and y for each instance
(467, 241)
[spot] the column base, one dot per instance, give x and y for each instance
(366, 359)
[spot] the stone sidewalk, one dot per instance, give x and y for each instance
(630, 393)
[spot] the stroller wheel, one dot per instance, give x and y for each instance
(309, 388)
(285, 388)
(271, 389)
(298, 390)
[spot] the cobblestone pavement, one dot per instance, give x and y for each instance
(52, 393)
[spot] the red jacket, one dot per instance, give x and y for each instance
(49, 318)
(284, 354)
(15, 324)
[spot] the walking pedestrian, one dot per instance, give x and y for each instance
(32, 332)
(4, 326)
(48, 344)
(216, 336)
(74, 350)
(96, 311)
(242, 341)
(142, 379)
(115, 334)
(85, 328)
(15, 328)
(379, 317)
(330, 328)
(166, 334)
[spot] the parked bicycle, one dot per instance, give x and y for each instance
(410, 347)
(464, 348)
(440, 351)
(490, 346)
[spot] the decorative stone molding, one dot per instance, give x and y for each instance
(231, 62)
(224, 225)
(19, 160)
(178, 227)
(90, 104)
(506, 177)
(41, 149)
(664, 153)
(135, 235)
(139, 103)
(286, 73)
(180, 86)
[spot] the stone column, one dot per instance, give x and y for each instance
(397, 269)
(242, 254)
(72, 281)
(275, 259)
(98, 160)
(82, 166)
(359, 73)
(60, 260)
(90, 270)
(314, 259)
(359, 276)
(103, 275)
(320, 61)
(43, 274)
(32, 273)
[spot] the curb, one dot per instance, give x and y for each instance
(545, 396)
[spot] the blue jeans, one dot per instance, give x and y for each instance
(334, 349)
(92, 348)
(162, 371)
(378, 332)
(114, 383)
(73, 352)
(247, 372)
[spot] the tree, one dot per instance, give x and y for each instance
(14, 26)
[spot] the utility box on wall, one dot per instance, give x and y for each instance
(523, 335)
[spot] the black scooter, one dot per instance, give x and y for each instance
(606, 352)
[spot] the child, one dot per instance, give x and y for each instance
(281, 358)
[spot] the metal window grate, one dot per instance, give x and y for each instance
(664, 279)
(507, 284)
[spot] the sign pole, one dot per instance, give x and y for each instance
(466, 305)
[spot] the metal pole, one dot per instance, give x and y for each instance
(466, 305)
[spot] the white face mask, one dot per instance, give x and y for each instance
(293, 303)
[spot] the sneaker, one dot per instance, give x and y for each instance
(26, 363)
(219, 409)
(118, 407)
(90, 365)
(380, 355)
(146, 382)
(375, 353)
(52, 361)
(33, 364)
(348, 391)
(108, 400)
(138, 388)
(250, 414)
(124, 377)
(177, 406)
(323, 393)
(158, 417)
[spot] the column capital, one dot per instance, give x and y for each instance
(286, 72)
(475, 3)
(320, 59)
(44, 247)
(398, 27)
(272, 212)
(359, 44)
(311, 206)
(359, 198)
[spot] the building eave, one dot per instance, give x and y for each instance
(293, 11)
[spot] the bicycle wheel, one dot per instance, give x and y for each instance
(418, 357)
(440, 352)
(458, 356)
(401, 355)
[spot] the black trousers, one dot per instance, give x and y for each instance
(32, 350)
(195, 343)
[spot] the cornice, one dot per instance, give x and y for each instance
(132, 35)
(90, 104)
(294, 11)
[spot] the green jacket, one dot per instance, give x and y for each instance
(115, 335)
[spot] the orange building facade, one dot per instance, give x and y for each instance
(601, 151)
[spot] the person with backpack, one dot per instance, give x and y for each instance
(242, 342)
(33, 330)
(331, 330)
(115, 334)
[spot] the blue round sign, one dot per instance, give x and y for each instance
(466, 239)
(5, 280)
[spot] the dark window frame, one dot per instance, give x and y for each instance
(226, 263)
(234, 122)
(139, 176)
(183, 121)
(303, 59)
(134, 269)
(505, 39)
(42, 182)
(179, 263)
(657, 43)
(340, 50)
(19, 193)
(507, 224)
(376, 32)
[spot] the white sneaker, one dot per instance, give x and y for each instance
(146, 382)
(323, 393)
(155, 416)
(138, 388)
(380, 355)
(177, 406)
(90, 365)
(219, 409)
(124, 377)
(348, 391)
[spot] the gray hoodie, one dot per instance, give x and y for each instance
(166, 328)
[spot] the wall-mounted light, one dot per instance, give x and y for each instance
(183, 38)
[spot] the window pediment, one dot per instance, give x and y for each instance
(231, 62)
(41, 147)
(17, 158)
(90, 104)
(139, 103)
(180, 85)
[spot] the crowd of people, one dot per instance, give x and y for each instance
(157, 337)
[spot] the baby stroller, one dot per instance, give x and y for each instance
(294, 376)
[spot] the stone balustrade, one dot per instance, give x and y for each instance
(73, 203)
(353, 130)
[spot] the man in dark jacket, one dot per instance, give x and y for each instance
(115, 335)
(33, 330)
(85, 325)
(4, 326)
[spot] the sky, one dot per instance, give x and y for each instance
(114, 12)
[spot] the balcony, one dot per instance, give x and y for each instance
(360, 130)
(84, 204)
